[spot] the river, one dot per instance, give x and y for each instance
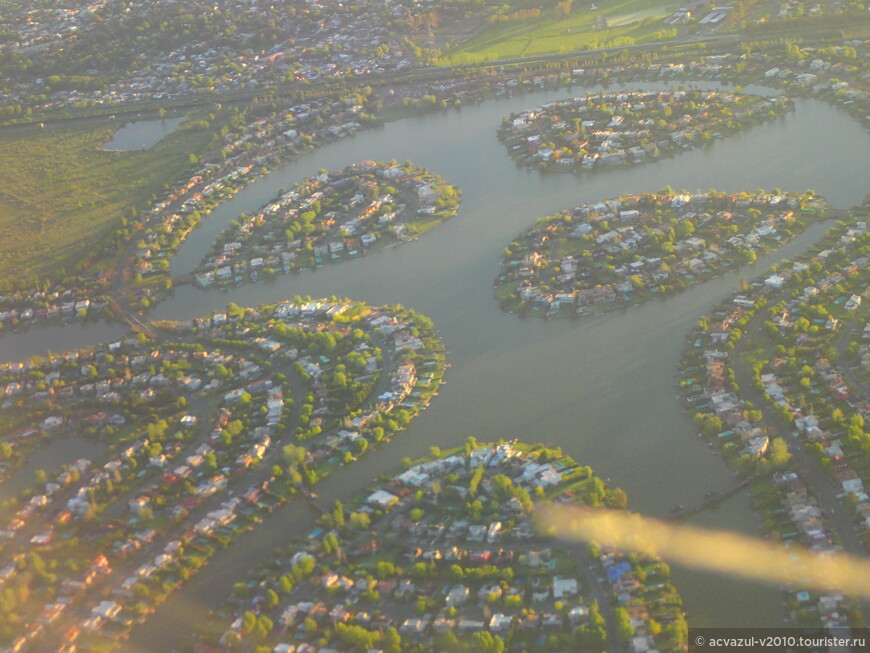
(601, 388)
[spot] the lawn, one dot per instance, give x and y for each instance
(628, 22)
(60, 194)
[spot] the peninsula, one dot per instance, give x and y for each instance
(776, 379)
(446, 554)
(605, 130)
(629, 249)
(332, 217)
(200, 435)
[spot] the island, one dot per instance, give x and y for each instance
(605, 130)
(446, 554)
(626, 250)
(196, 437)
(334, 216)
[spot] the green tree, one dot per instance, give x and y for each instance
(249, 621)
(359, 520)
(263, 627)
(779, 454)
(622, 624)
(392, 641)
(338, 514)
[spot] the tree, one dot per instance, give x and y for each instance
(622, 623)
(486, 642)
(475, 509)
(294, 454)
(249, 621)
(616, 498)
(338, 514)
(476, 478)
(356, 636)
(779, 454)
(359, 520)
(447, 641)
(392, 641)
(263, 627)
(210, 462)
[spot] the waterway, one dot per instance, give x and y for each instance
(142, 134)
(601, 388)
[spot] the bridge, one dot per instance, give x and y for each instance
(710, 499)
(138, 325)
(123, 314)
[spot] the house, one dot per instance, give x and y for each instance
(138, 504)
(578, 614)
(106, 610)
(476, 533)
(499, 623)
(563, 587)
(414, 627)
(470, 626)
(382, 499)
(458, 595)
(775, 281)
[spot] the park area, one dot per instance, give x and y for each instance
(61, 194)
(610, 23)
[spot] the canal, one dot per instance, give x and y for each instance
(601, 388)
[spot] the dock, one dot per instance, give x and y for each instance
(310, 497)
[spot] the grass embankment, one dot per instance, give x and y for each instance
(627, 22)
(61, 194)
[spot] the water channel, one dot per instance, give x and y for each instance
(601, 388)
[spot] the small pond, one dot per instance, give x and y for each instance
(141, 135)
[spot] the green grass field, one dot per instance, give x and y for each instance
(60, 193)
(629, 22)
